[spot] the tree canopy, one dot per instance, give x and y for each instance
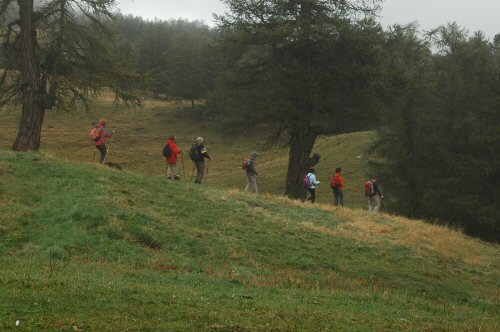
(307, 67)
(439, 141)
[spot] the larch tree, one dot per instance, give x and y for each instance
(305, 67)
(56, 55)
(438, 142)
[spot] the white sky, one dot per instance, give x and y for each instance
(474, 15)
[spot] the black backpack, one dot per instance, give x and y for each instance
(194, 153)
(166, 151)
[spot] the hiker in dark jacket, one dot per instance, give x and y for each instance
(251, 173)
(198, 156)
(100, 141)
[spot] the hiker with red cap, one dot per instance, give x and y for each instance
(99, 136)
(171, 152)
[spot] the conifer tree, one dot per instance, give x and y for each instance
(303, 66)
(56, 57)
(439, 137)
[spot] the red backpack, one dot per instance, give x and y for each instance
(245, 164)
(369, 191)
(94, 134)
(334, 182)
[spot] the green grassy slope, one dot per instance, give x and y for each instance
(142, 133)
(85, 247)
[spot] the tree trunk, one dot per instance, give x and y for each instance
(30, 125)
(192, 104)
(301, 144)
(302, 136)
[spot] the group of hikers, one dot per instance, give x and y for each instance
(198, 153)
(372, 189)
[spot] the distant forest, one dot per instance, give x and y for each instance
(303, 69)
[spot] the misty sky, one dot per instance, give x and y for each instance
(475, 15)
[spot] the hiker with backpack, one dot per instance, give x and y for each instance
(99, 135)
(251, 172)
(372, 191)
(171, 152)
(198, 153)
(310, 184)
(337, 185)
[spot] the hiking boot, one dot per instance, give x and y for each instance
(176, 178)
(169, 177)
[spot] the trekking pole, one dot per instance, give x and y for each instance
(183, 170)
(93, 157)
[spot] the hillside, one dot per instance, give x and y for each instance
(141, 134)
(89, 248)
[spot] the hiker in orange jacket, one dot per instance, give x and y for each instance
(337, 185)
(172, 159)
(100, 141)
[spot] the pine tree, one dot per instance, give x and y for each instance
(438, 143)
(302, 66)
(56, 57)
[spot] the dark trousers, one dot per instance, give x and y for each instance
(102, 149)
(313, 195)
(200, 170)
(338, 197)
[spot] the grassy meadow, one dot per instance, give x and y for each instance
(88, 248)
(141, 134)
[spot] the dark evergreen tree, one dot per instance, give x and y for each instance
(407, 121)
(190, 63)
(303, 66)
(468, 91)
(55, 58)
(439, 142)
(174, 57)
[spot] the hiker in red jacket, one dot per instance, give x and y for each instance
(100, 135)
(337, 185)
(172, 158)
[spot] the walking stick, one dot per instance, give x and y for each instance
(183, 170)
(93, 157)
